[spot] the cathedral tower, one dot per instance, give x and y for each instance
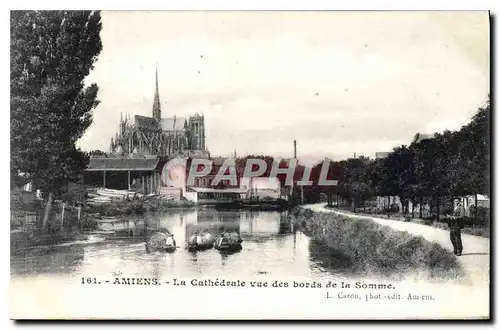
(156, 102)
(197, 132)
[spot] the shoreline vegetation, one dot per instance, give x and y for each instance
(136, 207)
(73, 221)
(22, 240)
(95, 212)
(376, 249)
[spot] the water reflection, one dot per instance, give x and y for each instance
(323, 258)
(270, 246)
(183, 224)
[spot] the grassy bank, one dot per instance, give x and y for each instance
(21, 240)
(376, 249)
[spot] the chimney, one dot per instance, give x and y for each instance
(295, 149)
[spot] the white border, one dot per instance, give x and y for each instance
(200, 5)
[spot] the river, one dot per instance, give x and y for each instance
(271, 246)
(46, 282)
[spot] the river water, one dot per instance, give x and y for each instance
(271, 246)
(46, 282)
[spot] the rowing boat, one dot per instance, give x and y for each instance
(200, 241)
(228, 242)
(163, 242)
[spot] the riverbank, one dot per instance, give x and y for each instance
(376, 249)
(130, 207)
(474, 261)
(22, 240)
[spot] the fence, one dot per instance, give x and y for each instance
(65, 216)
(21, 219)
(62, 216)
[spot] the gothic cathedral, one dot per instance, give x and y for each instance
(174, 136)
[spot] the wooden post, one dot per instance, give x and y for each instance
(150, 184)
(104, 179)
(79, 214)
(128, 175)
(62, 215)
(437, 208)
(143, 188)
(159, 182)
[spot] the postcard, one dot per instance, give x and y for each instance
(250, 165)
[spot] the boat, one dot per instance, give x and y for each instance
(200, 241)
(228, 242)
(162, 242)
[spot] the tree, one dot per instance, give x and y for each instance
(356, 181)
(475, 151)
(51, 54)
(97, 153)
(406, 183)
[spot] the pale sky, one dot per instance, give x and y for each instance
(337, 82)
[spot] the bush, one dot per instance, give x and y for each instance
(88, 223)
(376, 248)
(131, 207)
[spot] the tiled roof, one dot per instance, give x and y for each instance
(145, 122)
(167, 124)
(122, 164)
(174, 123)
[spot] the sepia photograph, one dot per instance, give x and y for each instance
(250, 165)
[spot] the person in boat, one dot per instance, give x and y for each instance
(456, 224)
(164, 231)
(157, 241)
(199, 238)
(170, 241)
(193, 240)
(207, 236)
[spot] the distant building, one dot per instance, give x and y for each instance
(420, 137)
(207, 180)
(381, 154)
(171, 136)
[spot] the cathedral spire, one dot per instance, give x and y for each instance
(156, 102)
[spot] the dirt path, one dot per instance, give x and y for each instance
(475, 259)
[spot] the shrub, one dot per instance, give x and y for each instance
(375, 248)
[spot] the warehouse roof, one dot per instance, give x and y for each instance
(122, 164)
